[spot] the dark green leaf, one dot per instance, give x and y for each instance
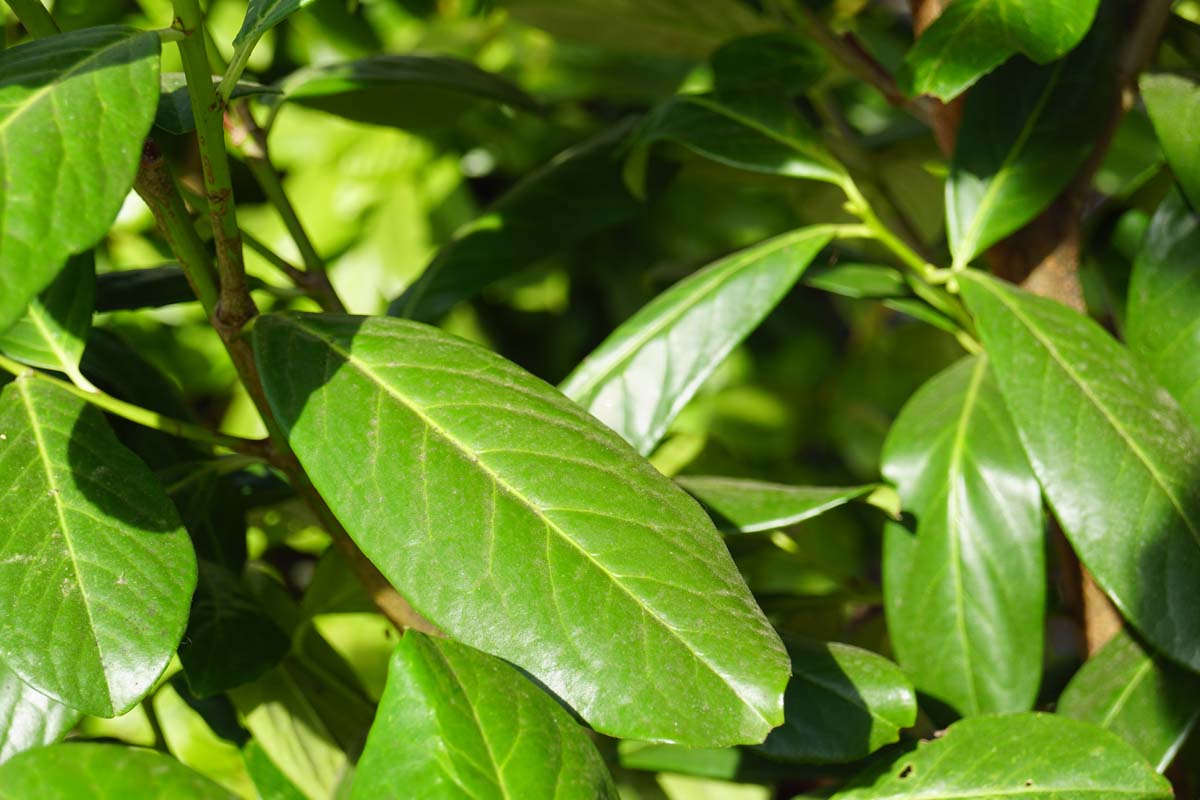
(455, 722)
(55, 327)
(1163, 321)
(1025, 133)
(269, 781)
(28, 718)
(96, 572)
(420, 93)
(559, 533)
(102, 772)
(842, 704)
(579, 193)
(174, 114)
(858, 280)
(781, 62)
(1114, 454)
(1021, 756)
(1174, 105)
(972, 37)
(965, 597)
(261, 16)
(746, 506)
(1136, 693)
(645, 372)
(73, 170)
(151, 287)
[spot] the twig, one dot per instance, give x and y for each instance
(34, 16)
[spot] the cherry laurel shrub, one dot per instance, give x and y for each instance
(595, 398)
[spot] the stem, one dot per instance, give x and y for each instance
(858, 206)
(143, 416)
(34, 17)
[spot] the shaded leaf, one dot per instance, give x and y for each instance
(174, 114)
(269, 781)
(55, 327)
(559, 533)
(1115, 456)
(858, 280)
(779, 62)
(1173, 102)
(151, 287)
(747, 506)
(455, 722)
(28, 718)
(79, 166)
(645, 372)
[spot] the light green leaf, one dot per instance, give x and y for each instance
(66, 175)
(746, 506)
(1115, 456)
(457, 723)
(859, 281)
(102, 772)
(189, 738)
(558, 533)
(842, 704)
(1173, 102)
(645, 372)
(965, 597)
(1163, 324)
(972, 37)
(28, 718)
(1136, 693)
(1021, 756)
(96, 571)
(269, 780)
(174, 114)
(54, 330)
(1025, 133)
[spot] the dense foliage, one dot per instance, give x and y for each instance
(600, 398)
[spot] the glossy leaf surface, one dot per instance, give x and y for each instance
(455, 722)
(1137, 694)
(1173, 102)
(74, 169)
(1115, 456)
(1023, 756)
(102, 772)
(645, 372)
(843, 703)
(965, 597)
(559, 533)
(96, 572)
(745, 506)
(54, 330)
(972, 37)
(1162, 324)
(28, 718)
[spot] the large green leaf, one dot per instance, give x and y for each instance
(1136, 693)
(96, 572)
(746, 506)
(577, 194)
(102, 772)
(1174, 105)
(645, 372)
(28, 718)
(965, 597)
(1025, 132)
(843, 703)
(1021, 756)
(55, 327)
(1162, 325)
(972, 37)
(421, 93)
(560, 536)
(454, 722)
(67, 174)
(1114, 454)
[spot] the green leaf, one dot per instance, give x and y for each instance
(1115, 456)
(261, 16)
(970, 38)
(150, 287)
(1162, 326)
(419, 93)
(780, 62)
(1025, 133)
(96, 572)
(1174, 105)
(1023, 756)
(270, 782)
(1136, 693)
(965, 598)
(747, 506)
(66, 175)
(102, 772)
(842, 704)
(577, 194)
(645, 372)
(454, 722)
(859, 281)
(28, 718)
(174, 114)
(558, 533)
(55, 327)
